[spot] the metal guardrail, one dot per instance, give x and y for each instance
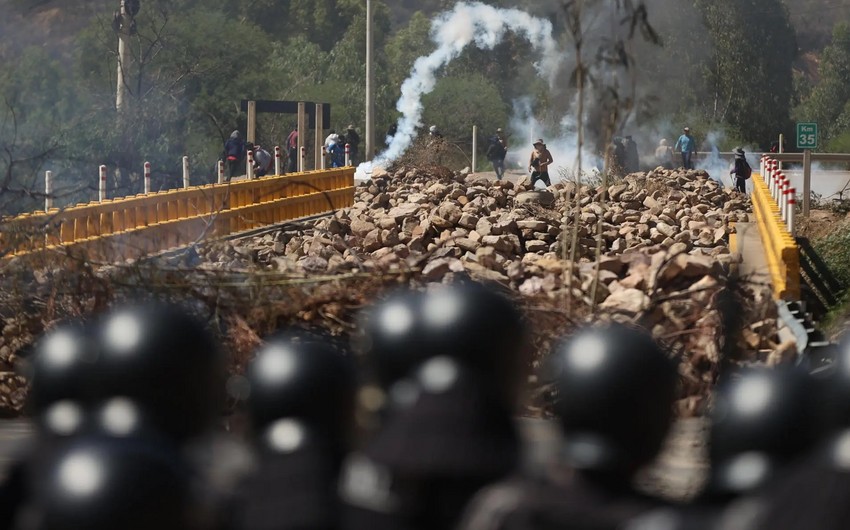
(783, 256)
(130, 227)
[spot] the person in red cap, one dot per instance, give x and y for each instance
(539, 162)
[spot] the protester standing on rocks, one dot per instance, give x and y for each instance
(687, 146)
(664, 154)
(632, 161)
(741, 170)
(497, 150)
(538, 163)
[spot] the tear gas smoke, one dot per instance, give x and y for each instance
(452, 31)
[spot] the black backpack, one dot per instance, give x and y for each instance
(743, 169)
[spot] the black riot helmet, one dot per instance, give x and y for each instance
(760, 420)
(163, 358)
(834, 390)
(62, 366)
(392, 337)
(304, 379)
(101, 483)
(478, 326)
(615, 389)
(468, 322)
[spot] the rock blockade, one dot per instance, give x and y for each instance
(664, 257)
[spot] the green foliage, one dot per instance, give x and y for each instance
(750, 72)
(829, 102)
(835, 251)
(457, 103)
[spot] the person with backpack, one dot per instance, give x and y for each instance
(741, 169)
(497, 150)
(234, 153)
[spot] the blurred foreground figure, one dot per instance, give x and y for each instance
(615, 390)
(450, 363)
(815, 492)
(61, 374)
(141, 372)
(300, 404)
(762, 420)
(103, 484)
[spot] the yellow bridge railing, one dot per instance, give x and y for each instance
(783, 256)
(130, 227)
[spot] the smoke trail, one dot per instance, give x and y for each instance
(468, 23)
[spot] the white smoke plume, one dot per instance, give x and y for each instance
(452, 31)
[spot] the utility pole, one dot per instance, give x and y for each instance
(370, 96)
(124, 25)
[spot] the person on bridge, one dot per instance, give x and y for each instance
(234, 153)
(353, 140)
(538, 163)
(687, 146)
(741, 170)
(497, 150)
(292, 151)
(263, 163)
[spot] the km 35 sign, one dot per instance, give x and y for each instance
(807, 135)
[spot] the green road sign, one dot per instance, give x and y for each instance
(807, 135)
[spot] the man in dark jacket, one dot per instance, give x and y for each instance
(741, 170)
(353, 141)
(234, 153)
(496, 153)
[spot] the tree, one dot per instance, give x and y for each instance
(750, 74)
(457, 103)
(829, 100)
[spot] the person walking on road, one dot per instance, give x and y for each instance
(497, 150)
(538, 163)
(292, 151)
(741, 170)
(688, 147)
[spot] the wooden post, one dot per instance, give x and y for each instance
(302, 131)
(252, 121)
(320, 141)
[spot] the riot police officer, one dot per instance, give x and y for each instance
(614, 389)
(300, 404)
(450, 360)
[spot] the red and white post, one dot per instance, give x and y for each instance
(249, 166)
(783, 188)
(347, 155)
(147, 174)
(185, 172)
(278, 161)
(302, 162)
(101, 187)
(220, 170)
(791, 204)
(324, 157)
(48, 190)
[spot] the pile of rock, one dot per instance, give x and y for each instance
(442, 223)
(662, 239)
